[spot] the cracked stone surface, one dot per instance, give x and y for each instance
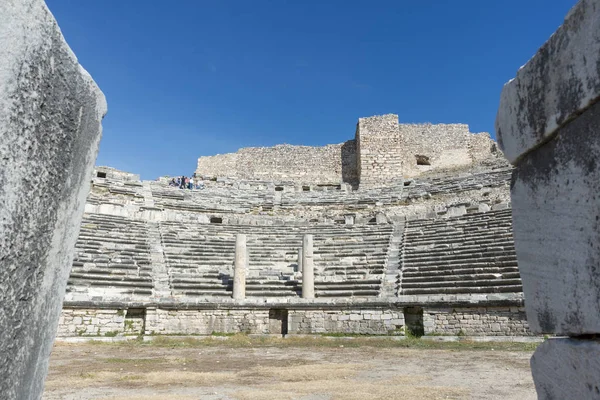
(50, 115)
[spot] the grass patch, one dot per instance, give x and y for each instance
(244, 341)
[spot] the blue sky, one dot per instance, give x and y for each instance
(185, 78)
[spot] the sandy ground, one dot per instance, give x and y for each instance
(117, 372)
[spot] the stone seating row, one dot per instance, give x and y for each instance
(469, 254)
(112, 257)
(192, 250)
(261, 198)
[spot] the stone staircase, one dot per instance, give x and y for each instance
(393, 275)
(469, 254)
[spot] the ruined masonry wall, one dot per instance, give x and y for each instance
(326, 164)
(90, 322)
(383, 151)
(205, 322)
(374, 322)
(221, 165)
(379, 155)
(474, 321)
(492, 321)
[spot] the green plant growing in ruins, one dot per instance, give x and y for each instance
(129, 325)
(461, 333)
(111, 333)
(120, 313)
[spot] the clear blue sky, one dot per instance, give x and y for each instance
(185, 78)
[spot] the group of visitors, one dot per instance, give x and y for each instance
(183, 182)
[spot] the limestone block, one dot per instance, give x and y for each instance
(567, 369)
(556, 220)
(50, 115)
(562, 79)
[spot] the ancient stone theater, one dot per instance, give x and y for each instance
(405, 229)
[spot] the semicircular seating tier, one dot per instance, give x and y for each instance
(124, 259)
(469, 254)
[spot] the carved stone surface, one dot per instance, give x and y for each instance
(556, 218)
(567, 369)
(50, 114)
(562, 79)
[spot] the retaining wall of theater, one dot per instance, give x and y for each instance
(469, 321)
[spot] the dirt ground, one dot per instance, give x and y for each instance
(337, 370)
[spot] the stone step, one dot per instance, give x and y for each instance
(346, 293)
(414, 272)
(492, 279)
(461, 259)
(464, 289)
(453, 266)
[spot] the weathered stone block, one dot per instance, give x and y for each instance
(556, 218)
(562, 79)
(567, 369)
(50, 114)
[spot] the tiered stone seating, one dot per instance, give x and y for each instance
(349, 260)
(437, 185)
(468, 254)
(115, 192)
(211, 199)
(112, 257)
(198, 258)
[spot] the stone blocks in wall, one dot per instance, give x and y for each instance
(50, 115)
(368, 322)
(378, 150)
(206, 322)
(548, 124)
(567, 369)
(304, 164)
(91, 322)
(476, 321)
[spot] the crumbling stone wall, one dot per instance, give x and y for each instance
(379, 150)
(220, 165)
(427, 146)
(91, 322)
(382, 152)
(476, 321)
(115, 174)
(366, 321)
(472, 321)
(50, 114)
(548, 126)
(295, 163)
(304, 164)
(205, 322)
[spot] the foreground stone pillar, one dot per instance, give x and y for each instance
(548, 125)
(308, 268)
(300, 259)
(239, 270)
(50, 128)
